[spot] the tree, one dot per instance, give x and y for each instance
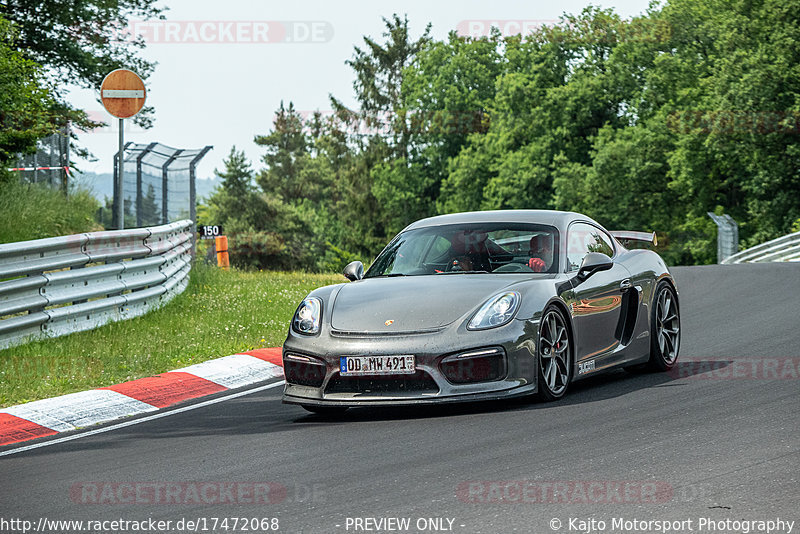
(383, 183)
(237, 177)
(345, 218)
(551, 98)
(643, 124)
(82, 41)
(27, 103)
(380, 70)
(712, 109)
(448, 89)
(291, 173)
(235, 201)
(264, 231)
(106, 214)
(737, 144)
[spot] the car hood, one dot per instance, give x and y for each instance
(412, 303)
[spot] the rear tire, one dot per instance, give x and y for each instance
(555, 356)
(325, 410)
(665, 329)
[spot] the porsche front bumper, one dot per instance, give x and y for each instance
(475, 380)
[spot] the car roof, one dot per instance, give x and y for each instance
(559, 219)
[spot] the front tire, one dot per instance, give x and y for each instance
(555, 356)
(665, 327)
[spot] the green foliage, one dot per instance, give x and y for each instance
(27, 104)
(236, 200)
(30, 211)
(643, 124)
(255, 250)
(647, 124)
(264, 231)
(380, 70)
(448, 89)
(82, 42)
(738, 145)
(289, 172)
(381, 187)
(550, 100)
(43, 46)
(401, 190)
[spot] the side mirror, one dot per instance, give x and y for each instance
(592, 263)
(354, 271)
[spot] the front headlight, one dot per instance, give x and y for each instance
(497, 311)
(308, 316)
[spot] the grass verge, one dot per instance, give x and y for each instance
(32, 211)
(220, 313)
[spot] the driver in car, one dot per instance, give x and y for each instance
(541, 251)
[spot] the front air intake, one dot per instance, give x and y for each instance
(303, 370)
(480, 365)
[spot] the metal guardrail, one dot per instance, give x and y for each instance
(56, 286)
(786, 248)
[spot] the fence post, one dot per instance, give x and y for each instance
(193, 192)
(165, 181)
(139, 196)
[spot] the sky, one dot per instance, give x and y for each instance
(225, 66)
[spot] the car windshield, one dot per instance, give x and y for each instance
(470, 248)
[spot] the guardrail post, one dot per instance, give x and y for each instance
(36, 308)
(727, 236)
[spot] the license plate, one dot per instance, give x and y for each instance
(376, 365)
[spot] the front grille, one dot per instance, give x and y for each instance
(419, 382)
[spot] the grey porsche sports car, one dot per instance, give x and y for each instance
(483, 305)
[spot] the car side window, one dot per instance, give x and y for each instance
(583, 238)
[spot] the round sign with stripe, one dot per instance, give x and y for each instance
(123, 93)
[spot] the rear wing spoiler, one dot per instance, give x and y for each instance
(624, 235)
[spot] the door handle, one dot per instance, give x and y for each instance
(625, 285)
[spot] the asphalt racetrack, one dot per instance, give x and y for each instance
(718, 440)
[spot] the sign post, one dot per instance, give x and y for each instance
(123, 95)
